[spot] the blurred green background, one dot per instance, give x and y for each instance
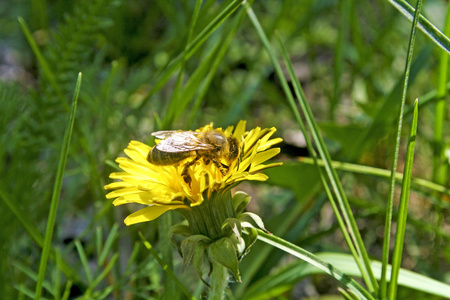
(144, 70)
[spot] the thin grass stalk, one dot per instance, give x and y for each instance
(347, 281)
(101, 277)
(365, 271)
(263, 253)
(56, 192)
(426, 26)
(57, 277)
(175, 101)
(345, 9)
(84, 261)
(367, 170)
(165, 267)
(43, 63)
(390, 203)
(191, 48)
(440, 111)
(59, 93)
(361, 256)
(439, 166)
(67, 290)
(36, 235)
(218, 53)
(403, 208)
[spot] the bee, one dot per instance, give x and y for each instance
(211, 146)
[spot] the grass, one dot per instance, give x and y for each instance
(343, 76)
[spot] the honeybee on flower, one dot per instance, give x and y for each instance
(188, 167)
(211, 146)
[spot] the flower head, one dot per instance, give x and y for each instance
(189, 182)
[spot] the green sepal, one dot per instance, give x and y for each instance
(235, 226)
(249, 239)
(252, 217)
(193, 246)
(224, 252)
(240, 201)
(197, 260)
(181, 229)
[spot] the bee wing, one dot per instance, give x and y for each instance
(180, 141)
(164, 134)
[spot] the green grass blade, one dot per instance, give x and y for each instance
(358, 247)
(33, 276)
(112, 236)
(291, 274)
(252, 264)
(407, 278)
(66, 293)
(403, 208)
(335, 182)
(21, 216)
(98, 240)
(43, 63)
(316, 261)
(390, 203)
(418, 183)
(177, 95)
(56, 192)
(165, 267)
(337, 187)
(102, 275)
(344, 20)
(200, 80)
(193, 47)
(426, 26)
(439, 169)
(84, 261)
(291, 101)
(35, 234)
(57, 276)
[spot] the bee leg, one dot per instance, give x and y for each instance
(185, 173)
(223, 168)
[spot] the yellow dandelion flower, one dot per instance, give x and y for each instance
(183, 175)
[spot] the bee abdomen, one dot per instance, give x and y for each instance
(162, 158)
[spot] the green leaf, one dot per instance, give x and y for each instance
(193, 46)
(56, 191)
(235, 226)
(426, 26)
(197, 260)
(112, 236)
(249, 238)
(165, 267)
(191, 245)
(299, 178)
(253, 217)
(283, 279)
(224, 252)
(390, 201)
(240, 201)
(403, 207)
(312, 259)
(180, 229)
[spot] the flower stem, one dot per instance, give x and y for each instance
(218, 282)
